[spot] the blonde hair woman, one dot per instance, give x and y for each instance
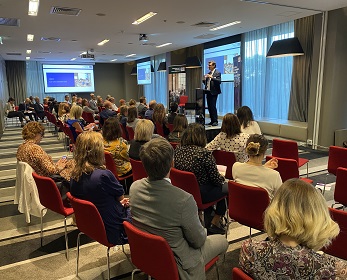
(298, 224)
(143, 133)
(76, 122)
(93, 182)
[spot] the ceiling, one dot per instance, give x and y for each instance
(112, 19)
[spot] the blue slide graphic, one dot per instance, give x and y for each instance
(60, 79)
(141, 74)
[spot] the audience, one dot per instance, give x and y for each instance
(86, 108)
(150, 111)
(132, 117)
(91, 181)
(248, 124)
(92, 103)
(114, 106)
(173, 112)
(76, 122)
(159, 118)
(192, 156)
(116, 146)
(253, 172)
(298, 224)
(99, 101)
(67, 99)
(107, 113)
(122, 116)
(27, 108)
(143, 133)
(10, 112)
(230, 138)
(132, 102)
(179, 125)
(142, 108)
(63, 112)
(74, 100)
(39, 109)
(122, 102)
(162, 209)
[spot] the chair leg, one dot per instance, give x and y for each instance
(250, 232)
(66, 241)
(108, 263)
(78, 251)
(41, 233)
(217, 270)
(133, 273)
(325, 183)
(306, 170)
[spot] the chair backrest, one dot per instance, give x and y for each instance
(285, 149)
(159, 128)
(247, 204)
(337, 158)
(88, 117)
(138, 169)
(288, 168)
(170, 126)
(151, 253)
(174, 144)
(110, 164)
(183, 100)
(68, 133)
(340, 192)
(124, 134)
(187, 181)
(131, 132)
(225, 158)
(238, 274)
(88, 220)
(49, 194)
(338, 246)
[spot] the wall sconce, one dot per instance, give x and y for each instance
(285, 47)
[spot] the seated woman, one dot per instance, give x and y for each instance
(116, 145)
(230, 139)
(76, 122)
(253, 172)
(192, 156)
(248, 124)
(173, 112)
(132, 117)
(10, 112)
(31, 153)
(298, 224)
(143, 133)
(86, 108)
(159, 118)
(180, 123)
(63, 112)
(91, 181)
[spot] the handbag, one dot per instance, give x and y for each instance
(63, 186)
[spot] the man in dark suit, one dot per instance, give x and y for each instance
(162, 209)
(39, 109)
(212, 82)
(27, 108)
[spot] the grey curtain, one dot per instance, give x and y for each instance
(193, 75)
(16, 80)
(301, 77)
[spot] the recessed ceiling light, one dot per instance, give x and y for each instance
(144, 18)
(225, 25)
(27, 58)
(30, 37)
(33, 7)
(72, 59)
(129, 55)
(113, 59)
(28, 51)
(163, 45)
(103, 42)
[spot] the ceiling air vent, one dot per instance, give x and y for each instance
(9, 21)
(207, 36)
(65, 11)
(13, 53)
(51, 39)
(204, 24)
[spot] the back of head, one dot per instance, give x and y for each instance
(132, 102)
(123, 110)
(245, 116)
(121, 102)
(194, 135)
(157, 157)
(88, 153)
(11, 99)
(107, 104)
(30, 130)
(144, 130)
(152, 104)
(142, 99)
(298, 210)
(180, 123)
(75, 112)
(231, 125)
(173, 107)
(256, 145)
(159, 113)
(111, 129)
(132, 114)
(85, 102)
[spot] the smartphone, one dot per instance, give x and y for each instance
(64, 157)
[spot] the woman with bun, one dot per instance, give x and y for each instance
(298, 224)
(253, 172)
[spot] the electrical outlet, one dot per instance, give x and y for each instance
(309, 142)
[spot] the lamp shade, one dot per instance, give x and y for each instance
(193, 62)
(133, 71)
(162, 66)
(285, 47)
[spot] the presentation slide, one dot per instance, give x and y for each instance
(224, 58)
(144, 73)
(68, 78)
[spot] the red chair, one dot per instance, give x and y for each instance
(88, 117)
(174, 145)
(288, 169)
(111, 165)
(131, 132)
(247, 205)
(159, 129)
(139, 171)
(50, 198)
(170, 126)
(238, 274)
(90, 223)
(337, 158)
(225, 158)
(340, 192)
(183, 101)
(124, 134)
(338, 246)
(152, 254)
(288, 149)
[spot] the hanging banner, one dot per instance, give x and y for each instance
(237, 67)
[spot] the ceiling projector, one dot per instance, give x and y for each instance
(143, 38)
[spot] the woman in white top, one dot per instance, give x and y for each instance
(248, 124)
(230, 139)
(254, 173)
